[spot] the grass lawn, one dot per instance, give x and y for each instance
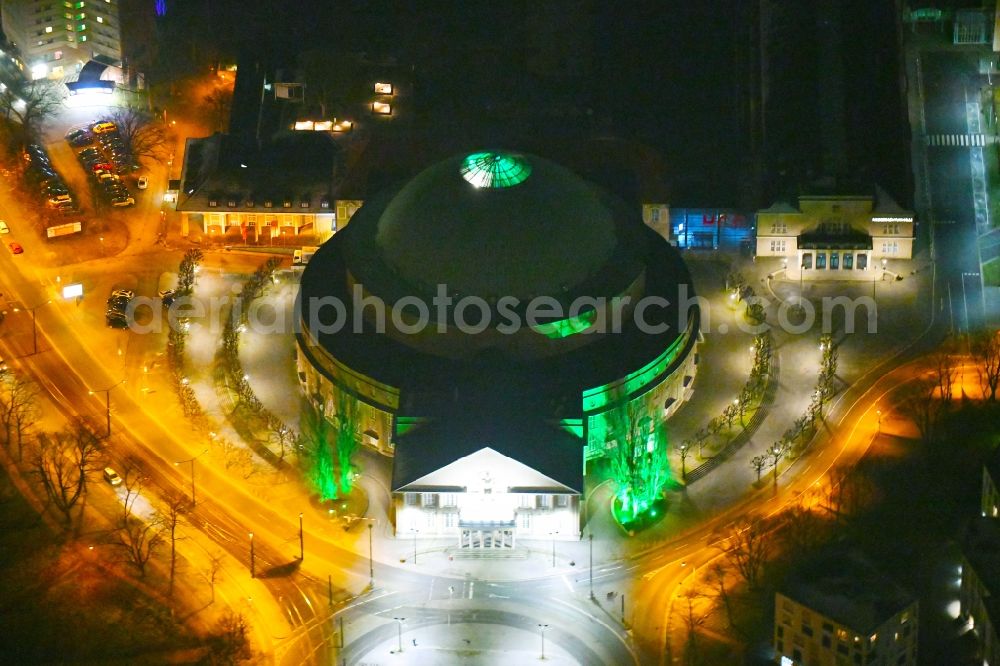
(991, 272)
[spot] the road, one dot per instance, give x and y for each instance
(950, 87)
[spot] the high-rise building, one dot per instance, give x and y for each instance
(57, 37)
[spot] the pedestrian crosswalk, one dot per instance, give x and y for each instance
(960, 139)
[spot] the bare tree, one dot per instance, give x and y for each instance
(18, 408)
(716, 578)
(176, 506)
(62, 461)
(213, 570)
(918, 401)
(138, 538)
(231, 643)
(216, 108)
(986, 351)
(281, 435)
(746, 548)
(730, 413)
(777, 451)
(802, 530)
(29, 104)
(684, 450)
(144, 136)
(944, 366)
(758, 463)
(848, 491)
(694, 619)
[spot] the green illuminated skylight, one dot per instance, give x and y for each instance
(495, 170)
(564, 328)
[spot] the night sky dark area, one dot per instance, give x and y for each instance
(739, 105)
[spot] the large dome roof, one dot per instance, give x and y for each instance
(497, 224)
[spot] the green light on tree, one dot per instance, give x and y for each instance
(495, 170)
(639, 464)
(318, 457)
(347, 440)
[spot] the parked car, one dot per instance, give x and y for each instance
(104, 127)
(15, 248)
(4, 229)
(112, 477)
(116, 319)
(122, 202)
(125, 293)
(143, 182)
(167, 296)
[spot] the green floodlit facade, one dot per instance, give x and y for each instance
(495, 170)
(493, 225)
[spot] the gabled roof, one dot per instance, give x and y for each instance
(455, 475)
(780, 207)
(886, 205)
(550, 454)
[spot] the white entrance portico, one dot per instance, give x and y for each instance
(487, 500)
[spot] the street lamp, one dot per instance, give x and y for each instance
(107, 402)
(400, 620)
(965, 301)
(34, 328)
(802, 269)
(879, 413)
(253, 572)
(302, 547)
(415, 531)
(553, 535)
(541, 629)
(371, 561)
(591, 539)
(191, 460)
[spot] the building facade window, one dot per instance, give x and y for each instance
(411, 499)
(449, 499)
(777, 246)
(429, 499)
(779, 228)
(890, 247)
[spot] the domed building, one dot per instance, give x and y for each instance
(479, 324)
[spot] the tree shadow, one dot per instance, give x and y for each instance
(281, 570)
